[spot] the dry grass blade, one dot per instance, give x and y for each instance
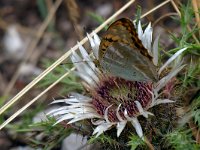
(33, 45)
(33, 100)
(179, 13)
(196, 12)
(54, 65)
(155, 8)
(74, 15)
(164, 16)
(195, 131)
(150, 146)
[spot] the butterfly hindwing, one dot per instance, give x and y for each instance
(116, 61)
(122, 53)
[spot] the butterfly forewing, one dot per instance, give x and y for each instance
(119, 64)
(122, 53)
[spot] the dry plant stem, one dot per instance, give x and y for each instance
(150, 4)
(198, 5)
(49, 4)
(177, 10)
(74, 15)
(36, 55)
(33, 100)
(22, 29)
(155, 8)
(149, 144)
(195, 131)
(162, 17)
(55, 64)
(196, 12)
(32, 46)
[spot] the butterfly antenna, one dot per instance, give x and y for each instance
(74, 62)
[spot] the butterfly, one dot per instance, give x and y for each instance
(122, 54)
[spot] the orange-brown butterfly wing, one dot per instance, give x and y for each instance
(121, 49)
(123, 31)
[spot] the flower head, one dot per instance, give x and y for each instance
(114, 101)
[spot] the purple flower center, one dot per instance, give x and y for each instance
(115, 91)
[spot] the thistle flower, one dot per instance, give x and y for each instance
(114, 101)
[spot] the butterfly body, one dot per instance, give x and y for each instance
(122, 53)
